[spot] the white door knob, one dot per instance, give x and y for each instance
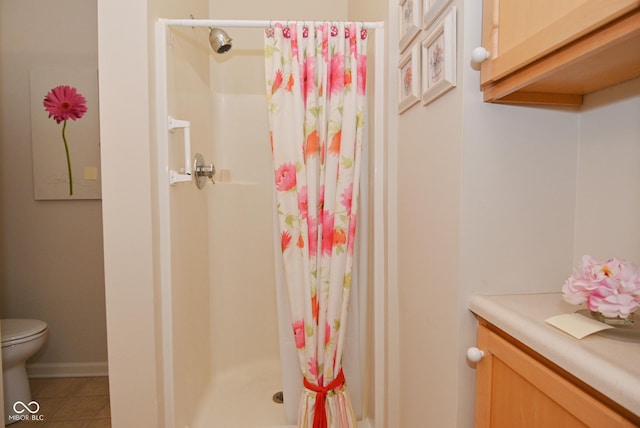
(474, 354)
(478, 56)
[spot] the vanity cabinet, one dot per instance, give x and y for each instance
(516, 387)
(554, 52)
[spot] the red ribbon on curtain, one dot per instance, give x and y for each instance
(319, 413)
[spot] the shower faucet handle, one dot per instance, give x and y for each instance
(201, 171)
(206, 171)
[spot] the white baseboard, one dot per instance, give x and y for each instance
(38, 370)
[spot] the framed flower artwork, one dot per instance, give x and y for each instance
(431, 10)
(439, 58)
(409, 78)
(65, 133)
(409, 21)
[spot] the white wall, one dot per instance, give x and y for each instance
(517, 203)
(294, 10)
(188, 215)
(244, 319)
(133, 333)
(608, 193)
(373, 11)
(139, 349)
(495, 199)
(51, 260)
(429, 148)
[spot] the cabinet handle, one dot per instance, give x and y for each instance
(478, 56)
(475, 354)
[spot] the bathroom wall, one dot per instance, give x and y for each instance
(498, 199)
(608, 189)
(373, 11)
(517, 203)
(188, 216)
(51, 257)
(481, 206)
(241, 264)
(129, 218)
(429, 145)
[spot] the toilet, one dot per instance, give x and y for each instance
(21, 339)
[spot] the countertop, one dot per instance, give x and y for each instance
(609, 365)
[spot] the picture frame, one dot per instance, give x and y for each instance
(50, 166)
(409, 78)
(431, 10)
(409, 21)
(439, 58)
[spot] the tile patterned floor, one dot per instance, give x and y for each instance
(76, 402)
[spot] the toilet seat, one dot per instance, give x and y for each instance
(16, 331)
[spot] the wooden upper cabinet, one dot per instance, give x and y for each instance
(555, 51)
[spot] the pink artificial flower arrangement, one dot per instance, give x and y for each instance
(611, 288)
(64, 103)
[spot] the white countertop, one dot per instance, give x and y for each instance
(609, 365)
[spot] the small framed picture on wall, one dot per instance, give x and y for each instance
(409, 21)
(409, 78)
(431, 10)
(439, 58)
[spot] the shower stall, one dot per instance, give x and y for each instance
(227, 348)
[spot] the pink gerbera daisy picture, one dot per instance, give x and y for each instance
(63, 103)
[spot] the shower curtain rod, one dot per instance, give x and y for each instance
(235, 23)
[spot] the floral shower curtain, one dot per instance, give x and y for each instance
(316, 81)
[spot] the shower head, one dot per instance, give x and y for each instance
(219, 40)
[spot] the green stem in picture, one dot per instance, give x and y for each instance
(66, 149)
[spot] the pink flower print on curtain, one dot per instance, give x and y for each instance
(286, 177)
(298, 333)
(316, 127)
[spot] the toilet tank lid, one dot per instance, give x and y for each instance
(13, 329)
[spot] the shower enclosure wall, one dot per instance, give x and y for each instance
(226, 347)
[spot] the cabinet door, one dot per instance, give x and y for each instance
(518, 32)
(515, 390)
